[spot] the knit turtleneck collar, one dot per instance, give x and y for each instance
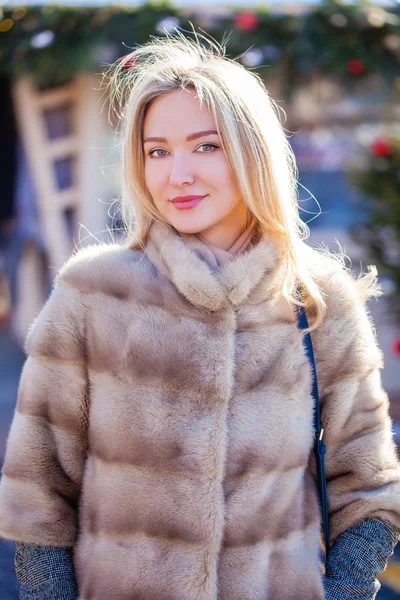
(215, 256)
(180, 260)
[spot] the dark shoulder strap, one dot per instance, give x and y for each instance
(319, 444)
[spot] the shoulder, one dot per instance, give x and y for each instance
(105, 269)
(344, 292)
(347, 329)
(109, 268)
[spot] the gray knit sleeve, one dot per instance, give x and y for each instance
(357, 557)
(44, 572)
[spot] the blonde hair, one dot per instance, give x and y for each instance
(252, 137)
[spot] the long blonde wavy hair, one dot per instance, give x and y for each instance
(252, 137)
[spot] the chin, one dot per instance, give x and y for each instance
(190, 225)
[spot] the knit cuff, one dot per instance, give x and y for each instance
(61, 590)
(44, 572)
(344, 589)
(363, 550)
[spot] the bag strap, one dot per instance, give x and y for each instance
(319, 444)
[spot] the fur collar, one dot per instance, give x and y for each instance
(177, 259)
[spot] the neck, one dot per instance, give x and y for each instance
(223, 235)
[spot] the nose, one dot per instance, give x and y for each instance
(181, 173)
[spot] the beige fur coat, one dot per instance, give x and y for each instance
(164, 426)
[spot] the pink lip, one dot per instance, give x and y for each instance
(185, 202)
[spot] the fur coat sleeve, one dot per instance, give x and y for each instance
(46, 448)
(362, 468)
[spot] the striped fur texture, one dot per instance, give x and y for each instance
(164, 426)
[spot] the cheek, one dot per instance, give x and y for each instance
(150, 176)
(156, 175)
(227, 183)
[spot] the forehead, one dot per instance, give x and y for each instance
(177, 112)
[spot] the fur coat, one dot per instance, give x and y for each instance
(164, 426)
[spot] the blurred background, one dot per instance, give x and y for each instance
(333, 67)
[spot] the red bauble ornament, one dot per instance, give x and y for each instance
(381, 148)
(396, 346)
(128, 62)
(355, 66)
(246, 21)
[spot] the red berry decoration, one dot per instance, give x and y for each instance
(355, 66)
(396, 346)
(381, 148)
(246, 21)
(128, 62)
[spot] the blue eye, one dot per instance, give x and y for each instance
(212, 146)
(152, 153)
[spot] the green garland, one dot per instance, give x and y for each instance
(80, 37)
(349, 42)
(379, 182)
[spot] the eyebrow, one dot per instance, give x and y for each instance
(191, 137)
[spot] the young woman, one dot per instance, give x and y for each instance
(162, 444)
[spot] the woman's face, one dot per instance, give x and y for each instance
(186, 171)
